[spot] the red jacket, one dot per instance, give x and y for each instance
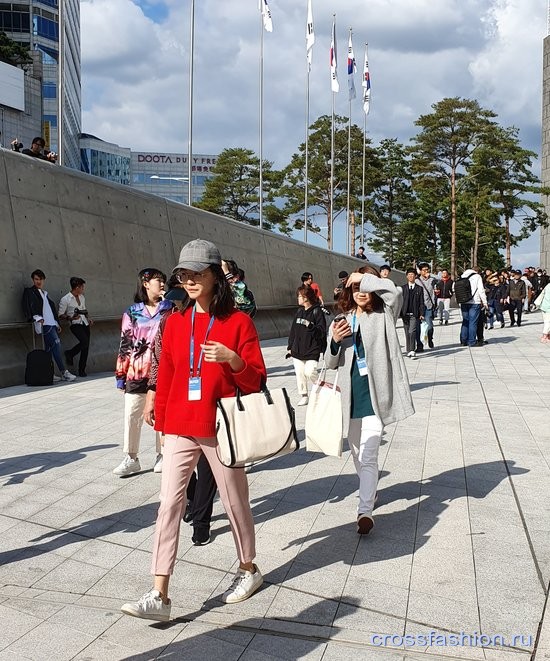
(174, 413)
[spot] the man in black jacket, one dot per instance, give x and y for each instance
(40, 309)
(412, 311)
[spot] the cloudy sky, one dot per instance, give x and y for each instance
(135, 56)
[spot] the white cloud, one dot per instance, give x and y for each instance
(135, 86)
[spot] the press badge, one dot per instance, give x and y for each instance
(362, 367)
(194, 393)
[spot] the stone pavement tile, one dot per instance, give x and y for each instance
(264, 647)
(444, 643)
(104, 650)
(72, 575)
(39, 608)
(51, 641)
(443, 613)
(394, 572)
(92, 621)
(15, 624)
(337, 652)
(322, 582)
(199, 641)
(302, 607)
(363, 621)
(101, 554)
(375, 596)
(142, 635)
(29, 568)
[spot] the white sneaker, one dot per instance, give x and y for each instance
(244, 585)
(303, 401)
(409, 355)
(149, 607)
(412, 355)
(127, 466)
(158, 464)
(67, 376)
(56, 379)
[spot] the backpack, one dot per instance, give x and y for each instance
(463, 289)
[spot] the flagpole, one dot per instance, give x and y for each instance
(190, 117)
(261, 172)
(334, 60)
(60, 82)
(363, 182)
(348, 226)
(306, 171)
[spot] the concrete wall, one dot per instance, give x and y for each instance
(545, 154)
(69, 223)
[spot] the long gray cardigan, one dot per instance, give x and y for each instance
(388, 379)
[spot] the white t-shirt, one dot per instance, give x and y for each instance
(68, 304)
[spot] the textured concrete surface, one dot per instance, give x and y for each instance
(69, 223)
(460, 547)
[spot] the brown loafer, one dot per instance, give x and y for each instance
(364, 524)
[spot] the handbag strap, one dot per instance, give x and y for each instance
(263, 389)
(322, 376)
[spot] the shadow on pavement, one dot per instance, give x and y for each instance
(396, 534)
(261, 643)
(22, 467)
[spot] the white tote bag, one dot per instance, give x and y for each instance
(324, 428)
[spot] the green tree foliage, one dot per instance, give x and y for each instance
(292, 190)
(13, 52)
(443, 148)
(233, 191)
(391, 208)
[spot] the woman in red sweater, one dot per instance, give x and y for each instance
(208, 350)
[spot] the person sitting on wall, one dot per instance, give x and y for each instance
(36, 150)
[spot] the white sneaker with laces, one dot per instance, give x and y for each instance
(67, 376)
(127, 466)
(412, 355)
(158, 464)
(303, 401)
(244, 585)
(149, 607)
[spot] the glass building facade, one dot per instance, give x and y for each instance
(36, 25)
(104, 159)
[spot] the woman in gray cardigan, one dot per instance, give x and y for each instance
(363, 346)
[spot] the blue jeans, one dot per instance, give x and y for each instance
(53, 345)
(468, 330)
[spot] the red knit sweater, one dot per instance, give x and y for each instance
(174, 413)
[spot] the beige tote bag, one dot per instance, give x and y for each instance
(251, 428)
(324, 427)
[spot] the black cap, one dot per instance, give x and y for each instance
(343, 274)
(385, 266)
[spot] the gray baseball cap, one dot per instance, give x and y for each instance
(198, 255)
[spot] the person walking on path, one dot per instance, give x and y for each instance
(471, 309)
(428, 283)
(307, 340)
(444, 291)
(364, 348)
(543, 302)
(412, 311)
(208, 351)
(517, 292)
(73, 307)
(140, 324)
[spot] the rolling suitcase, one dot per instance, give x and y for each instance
(39, 366)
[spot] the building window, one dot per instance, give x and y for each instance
(43, 27)
(49, 90)
(52, 119)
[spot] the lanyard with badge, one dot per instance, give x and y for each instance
(194, 390)
(361, 362)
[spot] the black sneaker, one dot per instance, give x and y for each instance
(431, 344)
(201, 536)
(82, 373)
(446, 323)
(69, 358)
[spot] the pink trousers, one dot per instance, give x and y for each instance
(181, 454)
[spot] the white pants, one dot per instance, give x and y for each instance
(443, 308)
(546, 320)
(133, 422)
(305, 370)
(364, 441)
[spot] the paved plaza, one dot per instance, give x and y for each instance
(461, 546)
